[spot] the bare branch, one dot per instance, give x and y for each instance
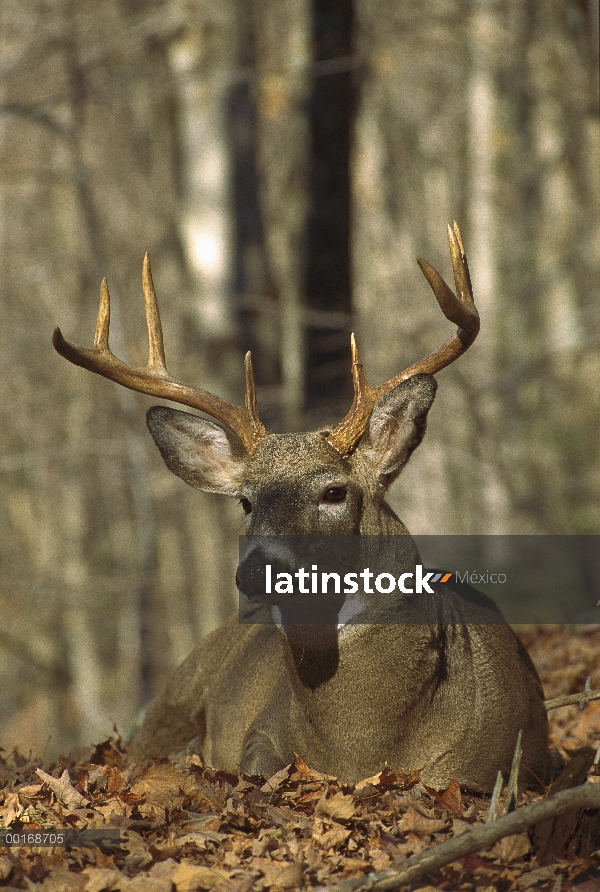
(573, 699)
(415, 868)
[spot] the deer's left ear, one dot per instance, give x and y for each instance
(397, 426)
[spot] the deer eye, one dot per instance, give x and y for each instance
(246, 506)
(334, 494)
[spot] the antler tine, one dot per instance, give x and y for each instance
(459, 309)
(250, 403)
(156, 350)
(103, 321)
(154, 380)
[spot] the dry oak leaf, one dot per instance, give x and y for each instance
(63, 789)
(163, 785)
(413, 822)
(451, 798)
(30, 790)
(386, 779)
(139, 856)
(333, 838)
(541, 875)
(190, 877)
(276, 780)
(12, 809)
(340, 807)
(304, 774)
(206, 796)
(509, 848)
(380, 860)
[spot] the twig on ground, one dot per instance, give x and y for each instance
(493, 809)
(415, 868)
(573, 699)
(512, 793)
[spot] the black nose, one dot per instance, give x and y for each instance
(250, 576)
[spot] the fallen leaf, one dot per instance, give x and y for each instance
(63, 789)
(162, 785)
(282, 815)
(286, 875)
(30, 790)
(451, 798)
(190, 877)
(305, 774)
(509, 848)
(204, 795)
(340, 807)
(527, 880)
(333, 838)
(387, 779)
(277, 780)
(414, 822)
(12, 809)
(380, 860)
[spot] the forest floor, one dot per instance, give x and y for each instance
(183, 827)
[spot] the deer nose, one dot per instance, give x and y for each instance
(251, 574)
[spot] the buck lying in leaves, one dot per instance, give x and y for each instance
(449, 700)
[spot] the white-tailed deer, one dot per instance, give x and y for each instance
(347, 698)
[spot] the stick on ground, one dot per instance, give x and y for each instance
(415, 868)
(572, 699)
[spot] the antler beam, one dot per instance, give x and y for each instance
(459, 309)
(155, 380)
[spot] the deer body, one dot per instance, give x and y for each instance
(448, 698)
(345, 699)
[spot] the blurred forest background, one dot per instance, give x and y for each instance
(284, 162)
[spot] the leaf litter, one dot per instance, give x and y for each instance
(185, 827)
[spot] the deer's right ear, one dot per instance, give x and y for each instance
(201, 453)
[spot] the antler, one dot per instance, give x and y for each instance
(460, 310)
(155, 379)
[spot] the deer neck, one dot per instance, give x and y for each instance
(313, 651)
